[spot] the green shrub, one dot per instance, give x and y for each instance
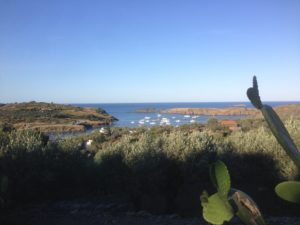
(158, 166)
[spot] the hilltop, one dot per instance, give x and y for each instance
(50, 117)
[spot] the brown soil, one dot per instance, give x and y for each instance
(103, 213)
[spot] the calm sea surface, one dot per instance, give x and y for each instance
(128, 117)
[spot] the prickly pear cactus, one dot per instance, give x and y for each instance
(275, 124)
(289, 191)
(253, 95)
(220, 178)
(247, 209)
(227, 202)
(215, 210)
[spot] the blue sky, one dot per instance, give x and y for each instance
(69, 51)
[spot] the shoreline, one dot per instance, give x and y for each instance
(283, 110)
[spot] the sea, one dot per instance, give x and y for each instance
(128, 117)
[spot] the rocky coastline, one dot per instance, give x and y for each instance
(291, 110)
(50, 117)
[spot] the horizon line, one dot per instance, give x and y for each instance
(73, 103)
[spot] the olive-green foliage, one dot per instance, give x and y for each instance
(145, 159)
(156, 165)
(37, 168)
(261, 141)
(165, 163)
(249, 124)
(25, 141)
(214, 125)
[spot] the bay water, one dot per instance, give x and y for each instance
(128, 117)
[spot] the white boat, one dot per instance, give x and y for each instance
(132, 122)
(193, 121)
(152, 123)
(187, 116)
(102, 130)
(147, 118)
(158, 115)
(177, 121)
(165, 121)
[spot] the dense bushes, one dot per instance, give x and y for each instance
(159, 169)
(38, 169)
(151, 162)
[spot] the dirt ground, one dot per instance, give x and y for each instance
(103, 213)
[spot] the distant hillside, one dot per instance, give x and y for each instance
(284, 111)
(50, 117)
(212, 111)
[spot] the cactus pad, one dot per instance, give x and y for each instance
(281, 134)
(253, 94)
(215, 210)
(289, 191)
(220, 178)
(247, 210)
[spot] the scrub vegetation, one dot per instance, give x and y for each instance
(159, 169)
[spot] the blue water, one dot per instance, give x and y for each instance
(125, 112)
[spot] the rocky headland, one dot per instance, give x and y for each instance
(50, 117)
(212, 111)
(284, 111)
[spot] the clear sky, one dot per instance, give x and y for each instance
(69, 51)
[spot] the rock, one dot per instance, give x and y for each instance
(143, 214)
